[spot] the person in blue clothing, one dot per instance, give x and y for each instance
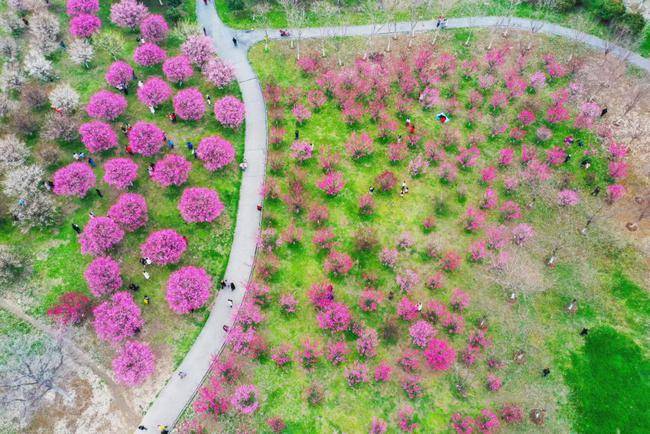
(92, 162)
(170, 143)
(190, 146)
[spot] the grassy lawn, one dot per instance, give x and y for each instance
(594, 269)
(58, 264)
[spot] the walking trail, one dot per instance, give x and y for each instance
(177, 394)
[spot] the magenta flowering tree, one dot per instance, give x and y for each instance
(119, 74)
(337, 352)
(229, 111)
(118, 318)
(146, 138)
(406, 419)
(301, 150)
(288, 303)
(173, 169)
(99, 236)
(335, 317)
(134, 363)
(367, 343)
(149, 54)
(218, 73)
(106, 105)
(567, 198)
(154, 28)
(189, 104)
(439, 355)
(164, 247)
(421, 332)
(120, 172)
(359, 146)
(200, 205)
(128, 13)
(84, 25)
(103, 276)
(383, 372)
(199, 49)
(75, 179)
(614, 193)
(356, 374)
(154, 92)
(301, 113)
(130, 211)
(245, 399)
(76, 7)
(331, 183)
(97, 136)
(407, 280)
(188, 289)
(338, 263)
(177, 69)
(215, 152)
(487, 422)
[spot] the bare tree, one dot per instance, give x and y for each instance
(296, 17)
(375, 14)
(640, 92)
(416, 9)
(391, 8)
(30, 368)
(260, 16)
(14, 266)
(327, 12)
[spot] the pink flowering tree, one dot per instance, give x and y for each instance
(301, 150)
(154, 92)
(218, 73)
(172, 169)
(76, 7)
(106, 105)
(75, 179)
(199, 49)
(84, 25)
(359, 146)
(568, 198)
(149, 54)
(118, 318)
(71, 308)
(177, 69)
(128, 13)
(164, 247)
(99, 236)
(406, 419)
(130, 211)
(154, 28)
(244, 399)
(189, 104)
(119, 74)
(215, 152)
(335, 317)
(331, 183)
(439, 355)
(188, 289)
(338, 263)
(120, 172)
(103, 276)
(134, 363)
(301, 113)
(97, 136)
(421, 332)
(200, 205)
(146, 138)
(229, 111)
(356, 374)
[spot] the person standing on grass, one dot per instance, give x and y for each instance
(76, 228)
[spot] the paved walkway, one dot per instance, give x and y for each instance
(177, 393)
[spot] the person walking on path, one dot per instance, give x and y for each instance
(230, 303)
(232, 286)
(234, 41)
(223, 284)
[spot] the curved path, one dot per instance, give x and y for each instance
(178, 393)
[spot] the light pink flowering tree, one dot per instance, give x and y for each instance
(218, 73)
(76, 7)
(99, 236)
(75, 179)
(120, 172)
(149, 54)
(199, 49)
(189, 104)
(336, 317)
(567, 198)
(200, 205)
(229, 111)
(215, 152)
(134, 363)
(154, 92)
(164, 247)
(154, 28)
(331, 183)
(130, 211)
(177, 69)
(146, 138)
(103, 276)
(106, 105)
(188, 289)
(128, 13)
(97, 136)
(118, 318)
(173, 169)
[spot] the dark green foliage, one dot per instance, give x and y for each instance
(632, 22)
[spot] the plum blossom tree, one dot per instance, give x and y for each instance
(406, 419)
(129, 211)
(421, 332)
(128, 13)
(356, 374)
(119, 74)
(120, 172)
(103, 276)
(97, 136)
(189, 104)
(106, 105)
(177, 69)
(188, 289)
(76, 7)
(335, 317)
(149, 54)
(99, 236)
(118, 318)
(367, 343)
(134, 363)
(64, 98)
(84, 25)
(301, 150)
(359, 146)
(198, 49)
(337, 352)
(218, 73)
(75, 179)
(245, 399)
(172, 169)
(71, 309)
(229, 111)
(338, 263)
(215, 152)
(154, 92)
(331, 183)
(567, 198)
(200, 205)
(154, 28)
(439, 354)
(164, 247)
(146, 138)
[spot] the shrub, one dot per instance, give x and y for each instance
(133, 364)
(335, 317)
(118, 318)
(129, 212)
(229, 111)
(100, 235)
(200, 205)
(177, 69)
(70, 309)
(105, 105)
(188, 289)
(75, 179)
(103, 276)
(164, 247)
(331, 183)
(245, 399)
(120, 172)
(215, 152)
(97, 136)
(189, 104)
(146, 138)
